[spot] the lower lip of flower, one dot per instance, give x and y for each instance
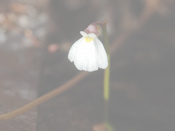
(88, 39)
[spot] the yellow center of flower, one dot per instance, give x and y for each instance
(88, 39)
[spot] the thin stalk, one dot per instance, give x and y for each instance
(106, 92)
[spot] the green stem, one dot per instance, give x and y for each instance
(106, 91)
(106, 94)
(107, 81)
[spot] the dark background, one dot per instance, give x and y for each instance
(35, 37)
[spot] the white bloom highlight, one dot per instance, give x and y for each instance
(88, 53)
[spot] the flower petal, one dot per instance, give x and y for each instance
(73, 50)
(86, 57)
(102, 56)
(84, 34)
(92, 35)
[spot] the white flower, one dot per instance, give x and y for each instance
(88, 53)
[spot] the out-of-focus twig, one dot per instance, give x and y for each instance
(44, 98)
(148, 11)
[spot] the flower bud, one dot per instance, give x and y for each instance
(94, 28)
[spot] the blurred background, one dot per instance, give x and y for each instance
(35, 37)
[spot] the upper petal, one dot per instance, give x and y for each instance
(84, 34)
(92, 35)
